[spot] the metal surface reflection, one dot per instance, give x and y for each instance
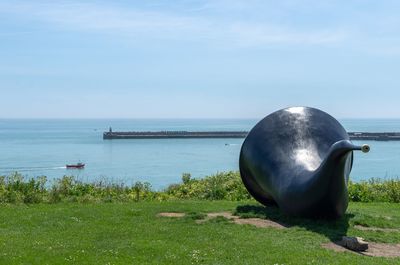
(299, 158)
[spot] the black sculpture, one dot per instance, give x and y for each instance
(299, 158)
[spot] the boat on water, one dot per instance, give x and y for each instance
(76, 166)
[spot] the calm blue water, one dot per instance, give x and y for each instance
(43, 147)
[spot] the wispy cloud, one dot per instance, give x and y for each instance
(79, 16)
(254, 35)
(131, 22)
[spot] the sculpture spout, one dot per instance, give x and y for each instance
(342, 147)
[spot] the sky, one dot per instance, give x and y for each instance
(198, 58)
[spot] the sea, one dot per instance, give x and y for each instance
(35, 147)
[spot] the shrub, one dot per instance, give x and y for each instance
(15, 188)
(221, 186)
(375, 190)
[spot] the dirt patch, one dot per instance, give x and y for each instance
(258, 222)
(174, 215)
(374, 249)
(383, 250)
(227, 215)
(367, 228)
(209, 216)
(335, 247)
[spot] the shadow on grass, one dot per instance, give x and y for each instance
(332, 229)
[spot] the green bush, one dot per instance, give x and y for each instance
(221, 186)
(15, 188)
(375, 190)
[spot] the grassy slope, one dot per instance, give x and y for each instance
(130, 233)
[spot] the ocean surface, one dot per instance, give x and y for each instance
(44, 147)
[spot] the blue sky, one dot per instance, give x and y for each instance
(198, 59)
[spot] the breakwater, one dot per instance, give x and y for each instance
(367, 136)
(375, 136)
(174, 134)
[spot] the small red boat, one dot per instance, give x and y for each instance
(78, 166)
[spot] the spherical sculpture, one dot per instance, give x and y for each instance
(300, 159)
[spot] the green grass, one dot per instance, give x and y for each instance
(130, 233)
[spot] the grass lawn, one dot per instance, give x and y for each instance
(131, 233)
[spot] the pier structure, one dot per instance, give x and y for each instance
(375, 136)
(174, 134)
(362, 136)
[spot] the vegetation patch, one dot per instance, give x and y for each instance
(16, 188)
(375, 190)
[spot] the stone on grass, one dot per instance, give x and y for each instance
(354, 243)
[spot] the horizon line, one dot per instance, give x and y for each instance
(176, 118)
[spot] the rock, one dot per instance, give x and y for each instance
(354, 243)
